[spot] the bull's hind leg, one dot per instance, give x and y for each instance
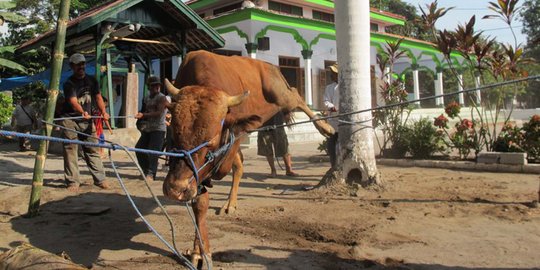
(238, 170)
(322, 126)
(200, 209)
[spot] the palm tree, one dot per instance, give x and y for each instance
(356, 161)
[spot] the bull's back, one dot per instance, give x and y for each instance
(232, 74)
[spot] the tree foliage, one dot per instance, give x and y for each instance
(530, 13)
(411, 28)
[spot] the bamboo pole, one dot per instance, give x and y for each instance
(143, 40)
(56, 70)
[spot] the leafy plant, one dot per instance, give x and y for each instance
(424, 140)
(531, 137)
(464, 137)
(484, 57)
(510, 139)
(391, 120)
(6, 108)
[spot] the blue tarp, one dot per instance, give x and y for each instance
(45, 77)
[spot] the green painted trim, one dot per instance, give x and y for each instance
(242, 15)
(319, 37)
(272, 18)
(405, 71)
(241, 33)
(293, 22)
(325, 3)
(386, 18)
(202, 3)
(297, 37)
(410, 54)
(433, 57)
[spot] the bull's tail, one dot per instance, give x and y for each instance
(289, 119)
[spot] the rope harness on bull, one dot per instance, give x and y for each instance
(115, 146)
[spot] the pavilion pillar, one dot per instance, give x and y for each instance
(416, 85)
(439, 88)
(477, 85)
(307, 77)
(460, 89)
(387, 75)
(252, 49)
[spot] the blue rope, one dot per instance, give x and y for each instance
(91, 144)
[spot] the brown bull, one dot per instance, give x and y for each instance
(210, 99)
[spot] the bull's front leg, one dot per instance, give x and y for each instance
(238, 170)
(200, 209)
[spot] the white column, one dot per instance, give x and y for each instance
(460, 89)
(477, 84)
(439, 89)
(387, 75)
(307, 76)
(416, 86)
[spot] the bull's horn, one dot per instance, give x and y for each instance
(170, 88)
(236, 100)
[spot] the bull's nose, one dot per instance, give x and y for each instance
(180, 192)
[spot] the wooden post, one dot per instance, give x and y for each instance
(56, 71)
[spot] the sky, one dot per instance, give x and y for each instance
(464, 10)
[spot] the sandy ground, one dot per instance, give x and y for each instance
(424, 219)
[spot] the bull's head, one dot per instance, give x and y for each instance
(197, 119)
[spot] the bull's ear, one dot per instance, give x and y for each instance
(237, 100)
(170, 88)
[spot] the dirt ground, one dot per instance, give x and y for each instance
(424, 219)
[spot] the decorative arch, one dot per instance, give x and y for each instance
(297, 37)
(229, 29)
(433, 57)
(319, 37)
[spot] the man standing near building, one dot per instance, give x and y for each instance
(23, 120)
(331, 102)
(80, 90)
(153, 134)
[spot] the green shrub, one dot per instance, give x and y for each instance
(424, 140)
(531, 137)
(510, 139)
(6, 108)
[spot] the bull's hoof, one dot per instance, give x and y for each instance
(227, 208)
(200, 262)
(324, 128)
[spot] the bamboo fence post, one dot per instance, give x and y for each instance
(56, 70)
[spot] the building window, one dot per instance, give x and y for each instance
(323, 16)
(227, 8)
(285, 61)
(227, 52)
(374, 27)
(285, 8)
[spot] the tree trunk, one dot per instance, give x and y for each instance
(356, 157)
(56, 70)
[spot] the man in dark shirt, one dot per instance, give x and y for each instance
(80, 90)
